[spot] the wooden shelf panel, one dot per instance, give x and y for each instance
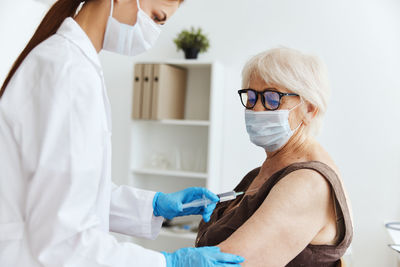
(177, 122)
(173, 173)
(188, 63)
(185, 122)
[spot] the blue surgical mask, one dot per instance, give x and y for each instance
(269, 129)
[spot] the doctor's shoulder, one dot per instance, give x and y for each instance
(56, 65)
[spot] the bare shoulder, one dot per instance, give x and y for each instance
(302, 185)
(303, 196)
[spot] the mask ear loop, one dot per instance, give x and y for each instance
(301, 102)
(112, 8)
(301, 123)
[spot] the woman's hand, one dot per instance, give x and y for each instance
(170, 205)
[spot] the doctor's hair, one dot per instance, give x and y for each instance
(61, 10)
(305, 75)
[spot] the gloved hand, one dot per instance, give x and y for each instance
(170, 205)
(201, 257)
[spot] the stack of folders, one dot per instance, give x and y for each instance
(159, 92)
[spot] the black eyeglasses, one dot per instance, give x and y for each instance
(270, 98)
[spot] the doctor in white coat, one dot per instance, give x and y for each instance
(57, 201)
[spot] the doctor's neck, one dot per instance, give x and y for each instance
(92, 18)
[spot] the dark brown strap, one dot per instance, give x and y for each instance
(247, 180)
(330, 175)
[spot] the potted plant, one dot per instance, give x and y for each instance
(192, 42)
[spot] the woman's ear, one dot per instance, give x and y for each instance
(311, 112)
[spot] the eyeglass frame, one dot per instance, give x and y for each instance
(263, 97)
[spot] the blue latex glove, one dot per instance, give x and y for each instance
(201, 257)
(170, 205)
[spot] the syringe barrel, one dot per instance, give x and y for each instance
(205, 201)
(227, 196)
(197, 203)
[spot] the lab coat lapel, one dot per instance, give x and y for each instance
(71, 30)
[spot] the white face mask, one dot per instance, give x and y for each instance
(269, 129)
(131, 40)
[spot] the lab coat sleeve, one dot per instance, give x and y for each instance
(62, 145)
(136, 220)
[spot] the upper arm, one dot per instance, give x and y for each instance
(62, 116)
(62, 148)
(290, 217)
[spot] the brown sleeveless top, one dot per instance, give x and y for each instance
(223, 224)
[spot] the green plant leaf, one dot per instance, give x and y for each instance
(193, 38)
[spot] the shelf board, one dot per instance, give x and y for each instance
(177, 122)
(183, 235)
(183, 62)
(186, 122)
(175, 173)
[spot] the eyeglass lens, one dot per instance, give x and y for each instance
(272, 100)
(249, 99)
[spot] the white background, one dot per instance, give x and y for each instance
(360, 42)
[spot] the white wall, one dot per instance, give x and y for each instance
(358, 39)
(18, 21)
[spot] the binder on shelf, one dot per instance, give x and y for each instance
(169, 92)
(147, 91)
(137, 92)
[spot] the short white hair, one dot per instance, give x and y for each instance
(305, 75)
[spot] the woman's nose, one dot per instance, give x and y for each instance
(259, 106)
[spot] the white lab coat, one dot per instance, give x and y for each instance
(57, 201)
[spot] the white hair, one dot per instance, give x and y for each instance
(305, 75)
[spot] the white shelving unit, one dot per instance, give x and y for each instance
(172, 173)
(179, 122)
(168, 233)
(170, 155)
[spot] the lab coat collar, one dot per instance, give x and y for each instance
(72, 31)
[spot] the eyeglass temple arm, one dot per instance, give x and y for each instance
(289, 94)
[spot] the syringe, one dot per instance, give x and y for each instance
(204, 202)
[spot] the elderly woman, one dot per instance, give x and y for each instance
(295, 211)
